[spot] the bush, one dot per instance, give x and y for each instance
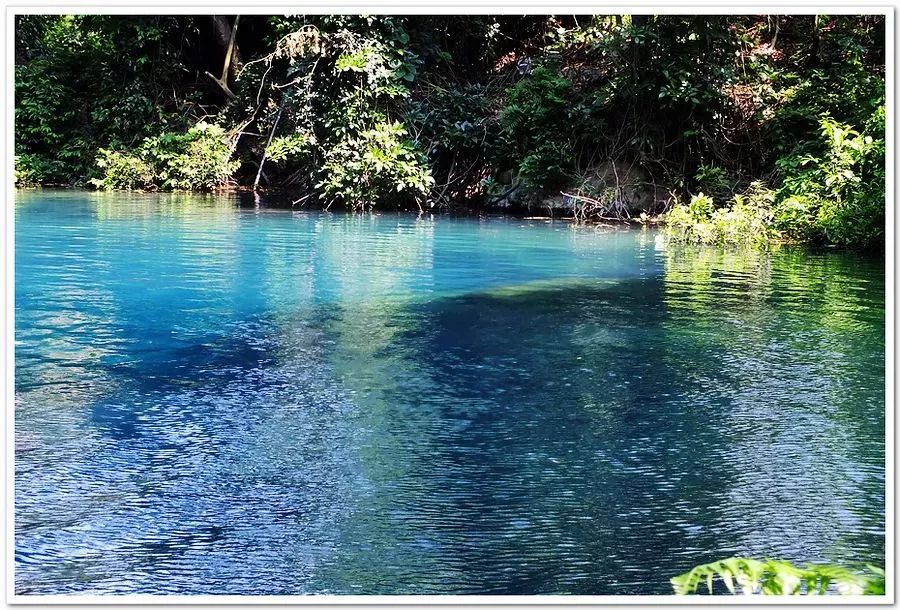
(197, 160)
(123, 171)
(374, 167)
(537, 128)
(837, 194)
(457, 127)
(290, 147)
(713, 180)
(795, 218)
(745, 222)
(833, 192)
(88, 81)
(28, 170)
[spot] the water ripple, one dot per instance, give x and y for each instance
(212, 399)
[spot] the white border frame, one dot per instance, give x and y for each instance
(409, 7)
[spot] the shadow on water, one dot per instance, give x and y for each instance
(232, 485)
(599, 437)
(526, 441)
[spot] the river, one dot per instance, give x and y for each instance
(211, 398)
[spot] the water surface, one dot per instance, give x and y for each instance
(214, 399)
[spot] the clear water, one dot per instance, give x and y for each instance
(212, 399)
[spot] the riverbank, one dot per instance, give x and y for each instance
(286, 198)
(762, 127)
(735, 233)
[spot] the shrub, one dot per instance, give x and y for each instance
(199, 159)
(455, 124)
(713, 180)
(292, 146)
(378, 164)
(745, 222)
(795, 218)
(832, 190)
(837, 194)
(536, 124)
(28, 170)
(88, 81)
(701, 206)
(122, 171)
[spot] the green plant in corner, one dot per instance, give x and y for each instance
(776, 577)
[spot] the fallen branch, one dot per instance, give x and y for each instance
(604, 207)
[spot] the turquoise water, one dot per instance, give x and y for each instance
(217, 399)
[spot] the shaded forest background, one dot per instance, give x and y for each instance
(739, 129)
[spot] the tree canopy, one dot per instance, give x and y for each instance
(743, 128)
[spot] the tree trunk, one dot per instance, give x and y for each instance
(222, 36)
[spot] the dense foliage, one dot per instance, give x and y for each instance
(745, 221)
(86, 82)
(768, 127)
(773, 577)
(197, 159)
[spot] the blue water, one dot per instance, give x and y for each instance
(216, 399)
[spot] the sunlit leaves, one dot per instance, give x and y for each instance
(775, 577)
(362, 171)
(197, 160)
